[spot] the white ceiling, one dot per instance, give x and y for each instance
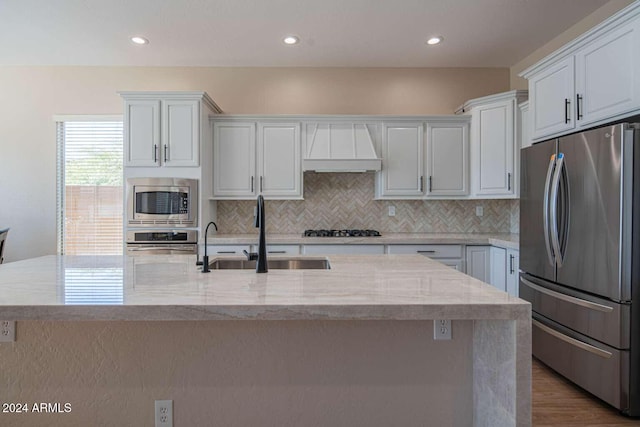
(344, 33)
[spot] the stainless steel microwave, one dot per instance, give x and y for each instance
(162, 201)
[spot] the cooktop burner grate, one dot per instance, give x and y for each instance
(341, 233)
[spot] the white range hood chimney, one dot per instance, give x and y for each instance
(340, 147)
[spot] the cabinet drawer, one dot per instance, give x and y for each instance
(432, 251)
(596, 367)
(227, 249)
(343, 249)
(280, 249)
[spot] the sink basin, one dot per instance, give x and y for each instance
(274, 264)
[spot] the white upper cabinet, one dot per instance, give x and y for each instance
(279, 170)
(234, 159)
(180, 132)
(551, 94)
(402, 157)
(447, 158)
(494, 145)
(608, 75)
(164, 128)
(592, 80)
(251, 158)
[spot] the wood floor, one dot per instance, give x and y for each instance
(556, 402)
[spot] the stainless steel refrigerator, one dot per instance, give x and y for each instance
(579, 258)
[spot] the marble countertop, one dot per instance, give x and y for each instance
(357, 287)
(503, 240)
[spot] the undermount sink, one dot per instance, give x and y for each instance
(274, 264)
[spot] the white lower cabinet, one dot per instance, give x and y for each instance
(343, 249)
(513, 271)
(479, 262)
(503, 274)
(450, 255)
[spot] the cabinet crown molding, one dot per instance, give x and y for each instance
(619, 18)
(338, 118)
(519, 95)
(194, 94)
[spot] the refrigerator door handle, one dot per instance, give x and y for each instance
(545, 215)
(555, 186)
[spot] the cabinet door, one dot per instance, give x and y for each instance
(142, 132)
(234, 160)
(279, 169)
(402, 167)
(499, 268)
(513, 271)
(479, 262)
(492, 145)
(180, 132)
(608, 75)
(551, 95)
(447, 159)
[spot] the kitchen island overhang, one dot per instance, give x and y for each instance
(401, 292)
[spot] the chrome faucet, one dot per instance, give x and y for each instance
(261, 256)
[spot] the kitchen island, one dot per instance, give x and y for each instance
(352, 345)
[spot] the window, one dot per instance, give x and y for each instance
(90, 206)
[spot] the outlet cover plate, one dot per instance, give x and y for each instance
(7, 330)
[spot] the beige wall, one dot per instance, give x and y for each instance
(571, 33)
(32, 95)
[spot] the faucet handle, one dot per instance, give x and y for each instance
(251, 256)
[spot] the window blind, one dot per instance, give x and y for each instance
(90, 190)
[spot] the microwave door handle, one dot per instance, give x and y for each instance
(545, 216)
(555, 187)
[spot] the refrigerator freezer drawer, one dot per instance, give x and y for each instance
(598, 368)
(600, 319)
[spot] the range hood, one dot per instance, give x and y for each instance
(341, 147)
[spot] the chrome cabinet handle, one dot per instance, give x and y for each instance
(574, 342)
(165, 152)
(155, 153)
(226, 252)
(426, 252)
(566, 110)
(277, 252)
(545, 213)
(568, 298)
(252, 184)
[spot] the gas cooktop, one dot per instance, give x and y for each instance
(341, 233)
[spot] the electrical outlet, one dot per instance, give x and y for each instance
(164, 413)
(479, 211)
(392, 211)
(7, 330)
(442, 329)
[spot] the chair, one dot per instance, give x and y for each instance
(3, 237)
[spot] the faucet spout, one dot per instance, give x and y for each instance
(261, 264)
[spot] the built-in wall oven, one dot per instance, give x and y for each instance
(162, 242)
(159, 202)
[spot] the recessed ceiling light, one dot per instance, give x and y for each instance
(139, 40)
(435, 40)
(291, 40)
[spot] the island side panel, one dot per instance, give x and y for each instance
(502, 372)
(240, 373)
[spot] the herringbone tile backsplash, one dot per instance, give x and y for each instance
(345, 200)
